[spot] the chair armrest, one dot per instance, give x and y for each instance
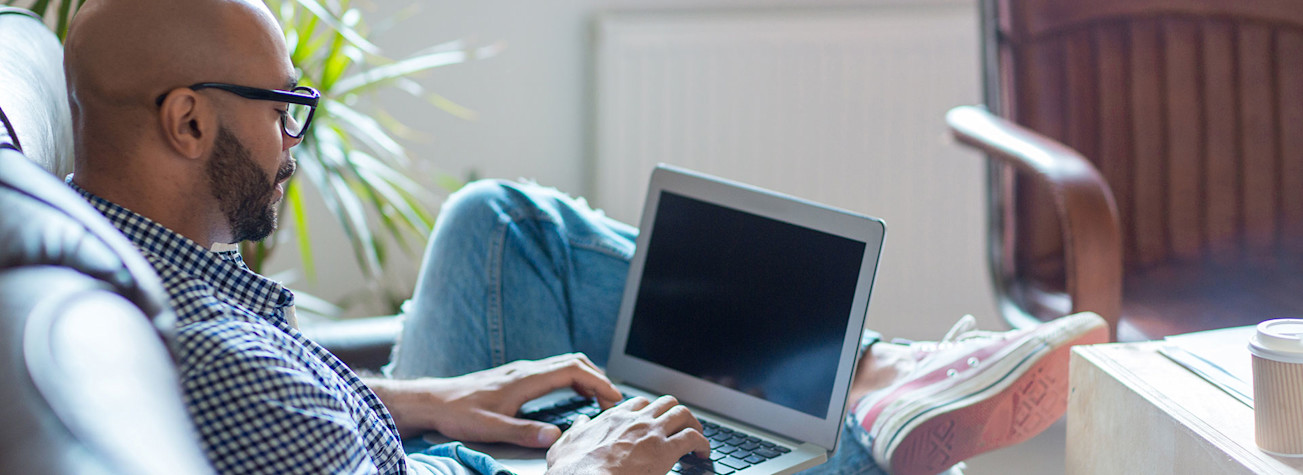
(1083, 202)
(361, 343)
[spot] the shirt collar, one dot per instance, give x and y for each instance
(225, 271)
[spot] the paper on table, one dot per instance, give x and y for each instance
(1219, 356)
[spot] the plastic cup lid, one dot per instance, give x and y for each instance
(1280, 339)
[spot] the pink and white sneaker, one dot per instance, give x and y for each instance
(972, 392)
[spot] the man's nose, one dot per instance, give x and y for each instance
(290, 141)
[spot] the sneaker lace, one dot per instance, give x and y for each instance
(960, 330)
(963, 331)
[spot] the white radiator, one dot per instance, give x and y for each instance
(843, 107)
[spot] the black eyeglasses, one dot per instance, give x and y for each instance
(302, 102)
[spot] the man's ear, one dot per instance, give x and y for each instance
(188, 122)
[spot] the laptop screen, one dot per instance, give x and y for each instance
(747, 302)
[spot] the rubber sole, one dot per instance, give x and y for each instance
(1035, 400)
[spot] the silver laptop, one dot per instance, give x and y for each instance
(747, 306)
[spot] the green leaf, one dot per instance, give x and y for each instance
(325, 147)
(65, 10)
(388, 222)
(391, 200)
(397, 70)
(397, 129)
(362, 192)
(376, 166)
(344, 30)
(294, 196)
(305, 28)
(366, 247)
(334, 63)
(451, 107)
(412, 87)
(254, 254)
(366, 130)
(38, 8)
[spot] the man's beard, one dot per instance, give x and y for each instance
(241, 188)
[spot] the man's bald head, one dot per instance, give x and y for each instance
(134, 50)
(121, 55)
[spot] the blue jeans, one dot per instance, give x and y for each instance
(517, 271)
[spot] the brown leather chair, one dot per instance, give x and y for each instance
(1147, 160)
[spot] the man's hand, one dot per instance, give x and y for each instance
(481, 406)
(636, 437)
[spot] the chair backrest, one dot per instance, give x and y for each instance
(1191, 109)
(33, 92)
(88, 383)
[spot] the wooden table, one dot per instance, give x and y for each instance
(1132, 410)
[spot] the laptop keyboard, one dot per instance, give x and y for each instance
(564, 412)
(730, 449)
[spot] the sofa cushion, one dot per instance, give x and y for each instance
(35, 96)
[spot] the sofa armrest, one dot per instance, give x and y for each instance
(1083, 202)
(364, 344)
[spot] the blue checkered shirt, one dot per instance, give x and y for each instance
(264, 398)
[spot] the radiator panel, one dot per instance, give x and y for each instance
(843, 107)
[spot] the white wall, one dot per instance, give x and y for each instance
(534, 105)
(535, 99)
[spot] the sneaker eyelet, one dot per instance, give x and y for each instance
(972, 361)
(952, 373)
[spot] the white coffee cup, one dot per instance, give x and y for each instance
(1277, 350)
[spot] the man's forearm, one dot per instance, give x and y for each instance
(410, 403)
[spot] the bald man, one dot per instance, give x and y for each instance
(182, 141)
(185, 113)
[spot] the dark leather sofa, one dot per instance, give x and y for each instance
(88, 383)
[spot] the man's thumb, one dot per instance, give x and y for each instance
(528, 433)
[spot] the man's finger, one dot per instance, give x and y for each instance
(583, 358)
(604, 398)
(521, 432)
(680, 417)
(661, 405)
(565, 371)
(689, 440)
(633, 404)
(580, 420)
(571, 357)
(576, 371)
